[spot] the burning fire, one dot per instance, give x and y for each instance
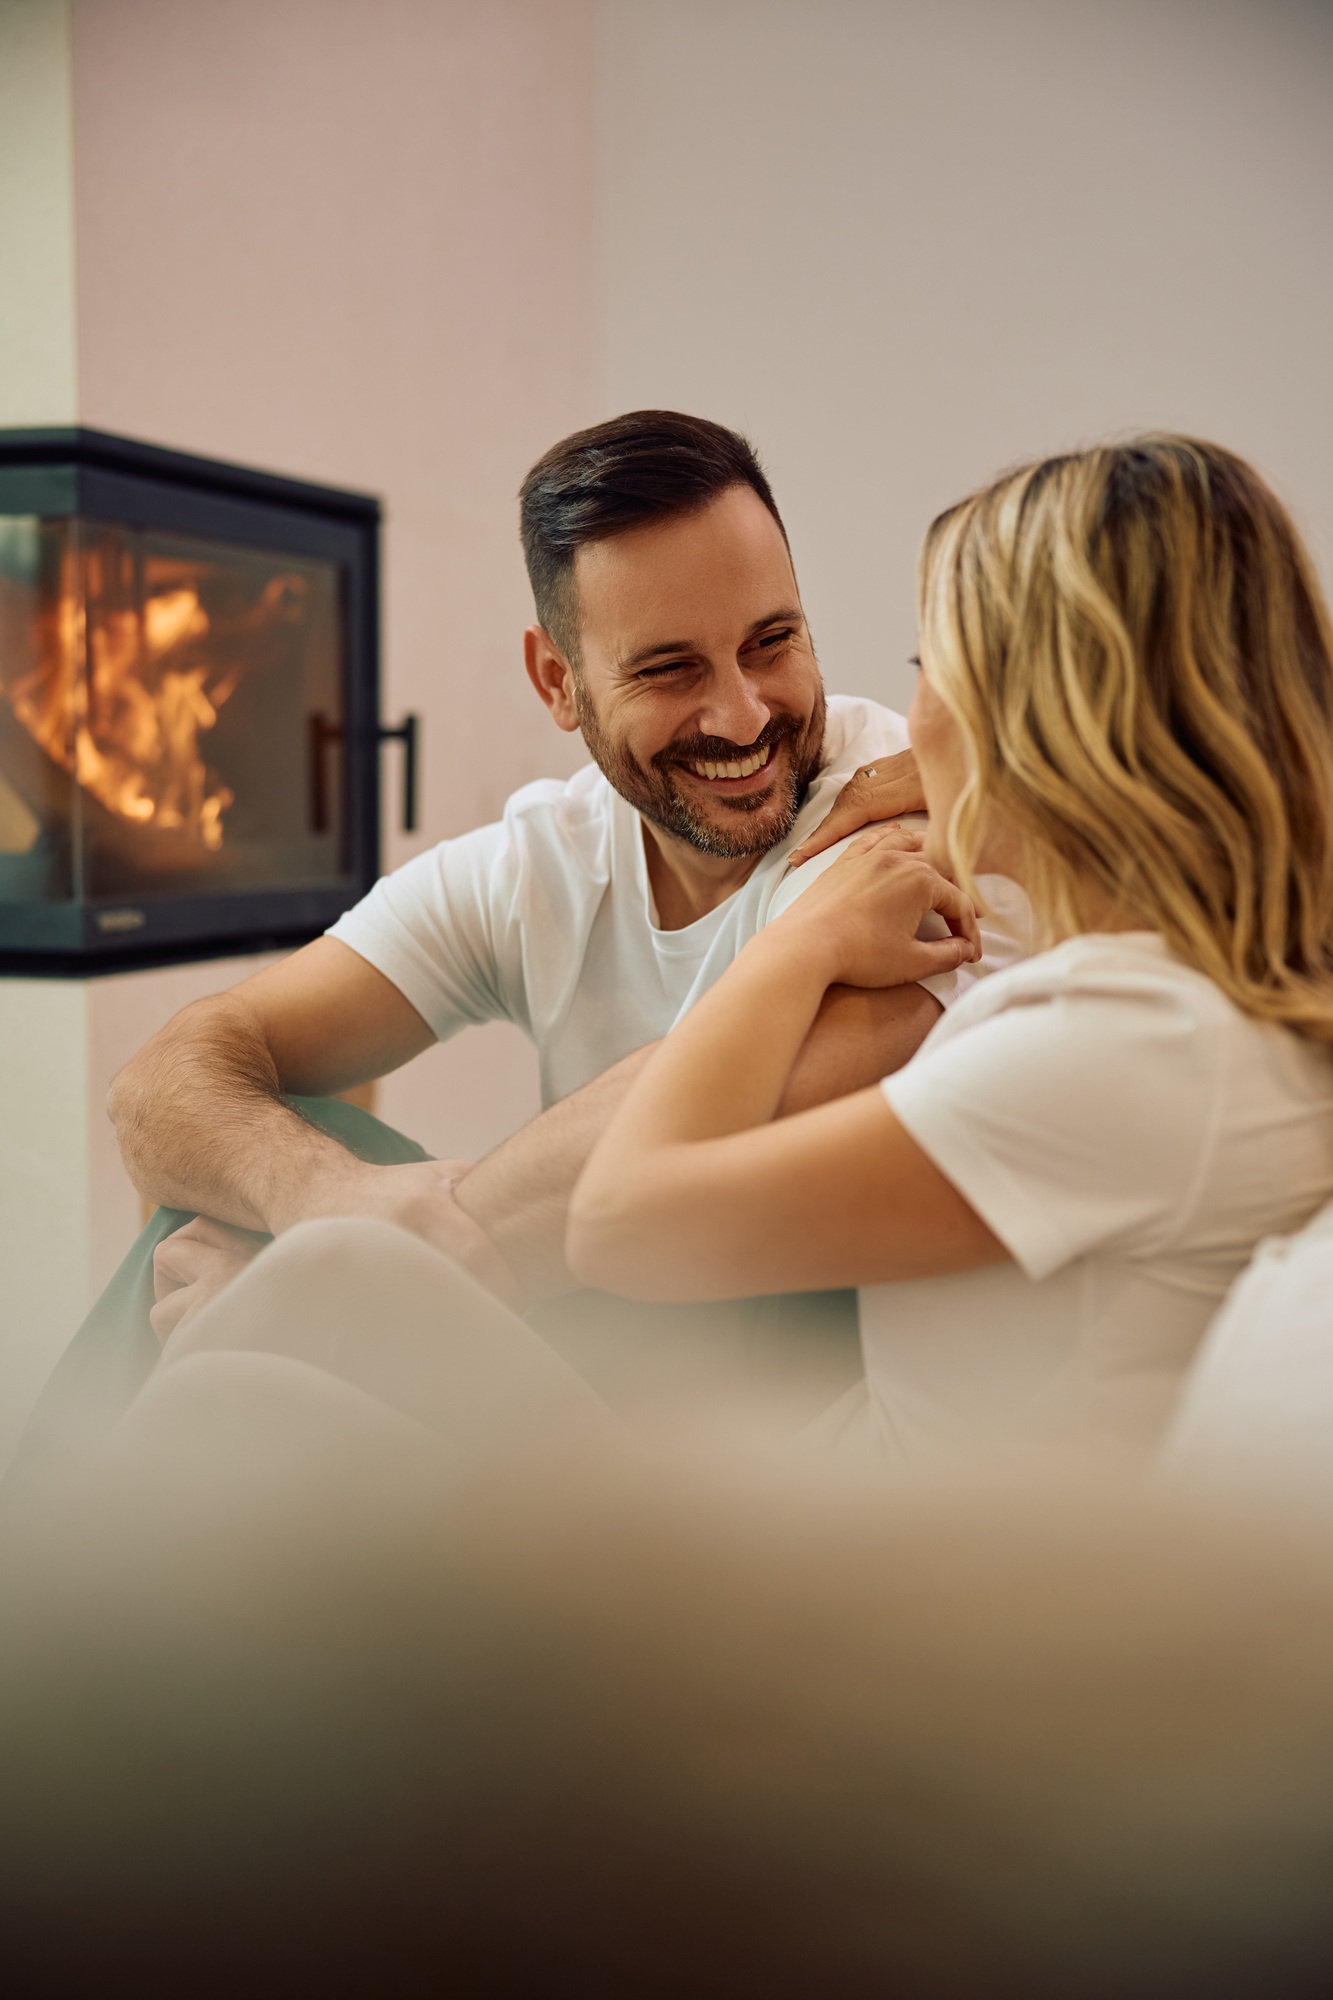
(128, 728)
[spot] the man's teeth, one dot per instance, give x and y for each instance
(744, 767)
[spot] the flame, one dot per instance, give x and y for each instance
(137, 744)
(129, 729)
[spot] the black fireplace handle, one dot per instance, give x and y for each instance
(407, 733)
(323, 733)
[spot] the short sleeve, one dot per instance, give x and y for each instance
(1069, 1122)
(439, 928)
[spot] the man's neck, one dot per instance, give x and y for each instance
(686, 884)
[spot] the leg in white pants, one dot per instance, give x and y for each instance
(383, 1312)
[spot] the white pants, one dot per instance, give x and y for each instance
(378, 1333)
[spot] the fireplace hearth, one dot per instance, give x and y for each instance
(189, 705)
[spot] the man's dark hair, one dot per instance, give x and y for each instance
(646, 466)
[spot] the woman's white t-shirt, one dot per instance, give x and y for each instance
(1130, 1136)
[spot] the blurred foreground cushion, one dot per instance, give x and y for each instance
(1257, 1410)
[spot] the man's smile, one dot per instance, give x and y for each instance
(720, 795)
(736, 772)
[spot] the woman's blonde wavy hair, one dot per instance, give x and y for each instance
(1134, 644)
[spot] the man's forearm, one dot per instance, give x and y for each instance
(519, 1194)
(202, 1126)
(860, 1035)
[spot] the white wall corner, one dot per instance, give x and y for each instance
(45, 1185)
(38, 354)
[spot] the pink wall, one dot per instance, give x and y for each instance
(356, 242)
(907, 244)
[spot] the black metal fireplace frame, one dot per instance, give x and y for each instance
(55, 473)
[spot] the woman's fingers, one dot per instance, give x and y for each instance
(900, 839)
(878, 791)
(932, 956)
(959, 913)
(957, 910)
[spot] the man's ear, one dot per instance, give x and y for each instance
(551, 675)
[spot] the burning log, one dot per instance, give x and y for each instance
(109, 686)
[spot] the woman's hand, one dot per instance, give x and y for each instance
(879, 791)
(881, 916)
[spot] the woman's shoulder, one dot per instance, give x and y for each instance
(1127, 1000)
(1135, 967)
(1097, 996)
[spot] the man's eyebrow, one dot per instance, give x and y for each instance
(786, 615)
(790, 614)
(655, 652)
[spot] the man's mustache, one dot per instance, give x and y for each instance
(721, 749)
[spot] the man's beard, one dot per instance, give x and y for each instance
(755, 822)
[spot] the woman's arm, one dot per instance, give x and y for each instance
(693, 1190)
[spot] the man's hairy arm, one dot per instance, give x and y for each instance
(519, 1194)
(200, 1122)
(202, 1125)
(198, 1111)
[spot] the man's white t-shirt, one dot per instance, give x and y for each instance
(547, 919)
(1130, 1136)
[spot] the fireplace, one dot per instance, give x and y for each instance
(189, 705)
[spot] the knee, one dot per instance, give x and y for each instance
(345, 1266)
(337, 1246)
(314, 1275)
(237, 1430)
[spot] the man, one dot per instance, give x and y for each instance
(670, 632)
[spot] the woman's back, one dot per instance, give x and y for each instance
(1130, 1136)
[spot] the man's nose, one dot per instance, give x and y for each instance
(733, 707)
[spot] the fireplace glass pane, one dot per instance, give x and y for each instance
(171, 715)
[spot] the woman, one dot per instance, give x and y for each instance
(1126, 704)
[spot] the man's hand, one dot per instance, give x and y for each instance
(197, 1262)
(193, 1265)
(877, 791)
(420, 1198)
